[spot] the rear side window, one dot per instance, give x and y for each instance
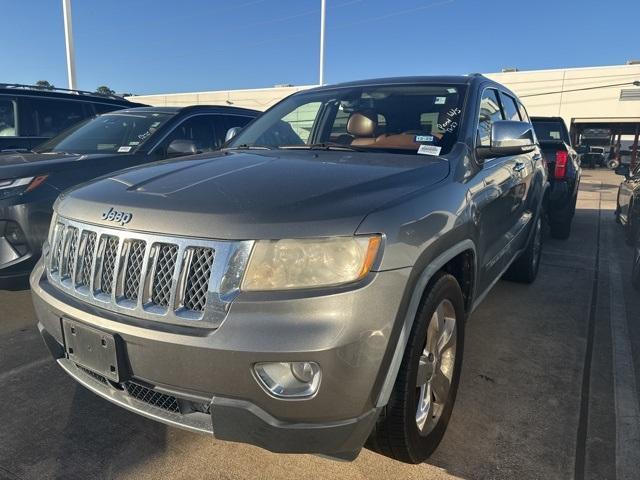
(510, 107)
(8, 118)
(489, 112)
(48, 117)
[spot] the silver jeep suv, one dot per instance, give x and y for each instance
(305, 289)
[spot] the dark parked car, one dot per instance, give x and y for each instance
(564, 173)
(628, 207)
(593, 157)
(30, 182)
(30, 115)
(307, 287)
(635, 276)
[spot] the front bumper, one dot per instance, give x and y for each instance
(211, 372)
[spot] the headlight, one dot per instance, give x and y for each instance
(309, 263)
(17, 186)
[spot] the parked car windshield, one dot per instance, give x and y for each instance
(117, 132)
(422, 118)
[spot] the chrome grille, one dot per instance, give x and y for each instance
(156, 277)
(195, 295)
(163, 276)
(135, 259)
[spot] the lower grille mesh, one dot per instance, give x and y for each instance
(153, 398)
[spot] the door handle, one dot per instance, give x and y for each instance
(519, 166)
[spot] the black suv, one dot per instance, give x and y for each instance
(31, 115)
(30, 182)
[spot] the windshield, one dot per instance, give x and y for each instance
(550, 132)
(413, 119)
(118, 132)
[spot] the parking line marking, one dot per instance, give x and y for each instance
(23, 368)
(627, 410)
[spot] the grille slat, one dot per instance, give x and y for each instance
(195, 295)
(108, 264)
(133, 275)
(163, 274)
(154, 277)
(85, 261)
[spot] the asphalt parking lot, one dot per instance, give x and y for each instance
(549, 388)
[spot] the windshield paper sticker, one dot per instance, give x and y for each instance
(440, 100)
(124, 149)
(423, 138)
(429, 150)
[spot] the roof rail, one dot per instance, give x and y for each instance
(475, 74)
(19, 86)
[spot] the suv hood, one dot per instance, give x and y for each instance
(254, 195)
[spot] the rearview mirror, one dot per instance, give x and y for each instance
(508, 137)
(181, 147)
(623, 170)
(232, 132)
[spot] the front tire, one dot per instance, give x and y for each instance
(413, 423)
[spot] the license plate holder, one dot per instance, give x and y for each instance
(92, 349)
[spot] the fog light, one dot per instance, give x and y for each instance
(289, 379)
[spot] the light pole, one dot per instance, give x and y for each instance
(323, 14)
(68, 39)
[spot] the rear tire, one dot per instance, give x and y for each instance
(525, 268)
(413, 423)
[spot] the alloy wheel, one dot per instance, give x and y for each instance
(436, 367)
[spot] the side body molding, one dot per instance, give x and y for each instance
(412, 310)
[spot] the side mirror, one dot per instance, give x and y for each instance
(508, 137)
(181, 147)
(623, 170)
(232, 132)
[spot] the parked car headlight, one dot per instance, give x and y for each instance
(309, 263)
(17, 186)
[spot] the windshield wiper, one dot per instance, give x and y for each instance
(322, 146)
(246, 146)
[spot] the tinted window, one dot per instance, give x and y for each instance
(47, 118)
(109, 133)
(510, 107)
(104, 107)
(550, 131)
(206, 131)
(7, 118)
(489, 113)
(410, 119)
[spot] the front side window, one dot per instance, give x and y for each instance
(489, 112)
(406, 119)
(8, 118)
(121, 132)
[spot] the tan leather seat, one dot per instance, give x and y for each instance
(362, 126)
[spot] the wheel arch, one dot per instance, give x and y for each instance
(459, 261)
